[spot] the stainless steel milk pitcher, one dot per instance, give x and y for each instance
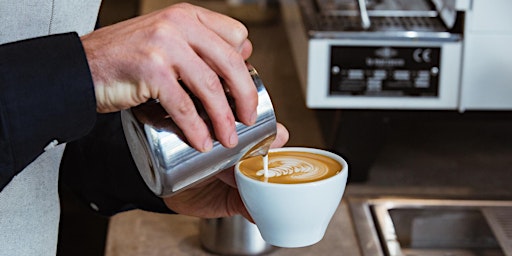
(168, 164)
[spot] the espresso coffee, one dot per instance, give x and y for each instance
(291, 167)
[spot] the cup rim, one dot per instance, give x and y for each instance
(338, 158)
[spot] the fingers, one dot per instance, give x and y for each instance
(282, 137)
(144, 57)
(235, 203)
(218, 46)
(229, 64)
(228, 59)
(242, 210)
(231, 30)
(226, 27)
(228, 176)
(205, 85)
(173, 98)
(184, 114)
(246, 49)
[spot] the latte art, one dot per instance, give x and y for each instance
(294, 168)
(291, 167)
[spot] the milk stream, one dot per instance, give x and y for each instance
(265, 167)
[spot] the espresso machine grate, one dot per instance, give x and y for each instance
(386, 19)
(393, 23)
(500, 221)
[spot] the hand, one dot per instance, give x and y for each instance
(218, 196)
(144, 57)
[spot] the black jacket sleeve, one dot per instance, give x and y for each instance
(46, 94)
(99, 169)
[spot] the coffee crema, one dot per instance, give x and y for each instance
(289, 167)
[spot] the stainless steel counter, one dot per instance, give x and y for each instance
(138, 233)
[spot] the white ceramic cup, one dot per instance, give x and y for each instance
(293, 215)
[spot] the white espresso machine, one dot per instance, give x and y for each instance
(402, 54)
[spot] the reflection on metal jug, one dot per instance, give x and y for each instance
(232, 236)
(169, 164)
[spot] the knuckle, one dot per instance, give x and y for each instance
(235, 60)
(155, 58)
(184, 5)
(143, 94)
(212, 83)
(196, 125)
(185, 108)
(223, 120)
(240, 32)
(178, 11)
(229, 119)
(158, 31)
(152, 63)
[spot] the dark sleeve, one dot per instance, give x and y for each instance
(100, 170)
(46, 94)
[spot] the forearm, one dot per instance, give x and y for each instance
(46, 94)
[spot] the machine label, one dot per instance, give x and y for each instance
(385, 71)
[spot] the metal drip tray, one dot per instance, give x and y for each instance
(383, 19)
(425, 227)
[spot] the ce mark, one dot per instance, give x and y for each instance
(422, 55)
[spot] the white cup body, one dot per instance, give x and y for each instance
(293, 215)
